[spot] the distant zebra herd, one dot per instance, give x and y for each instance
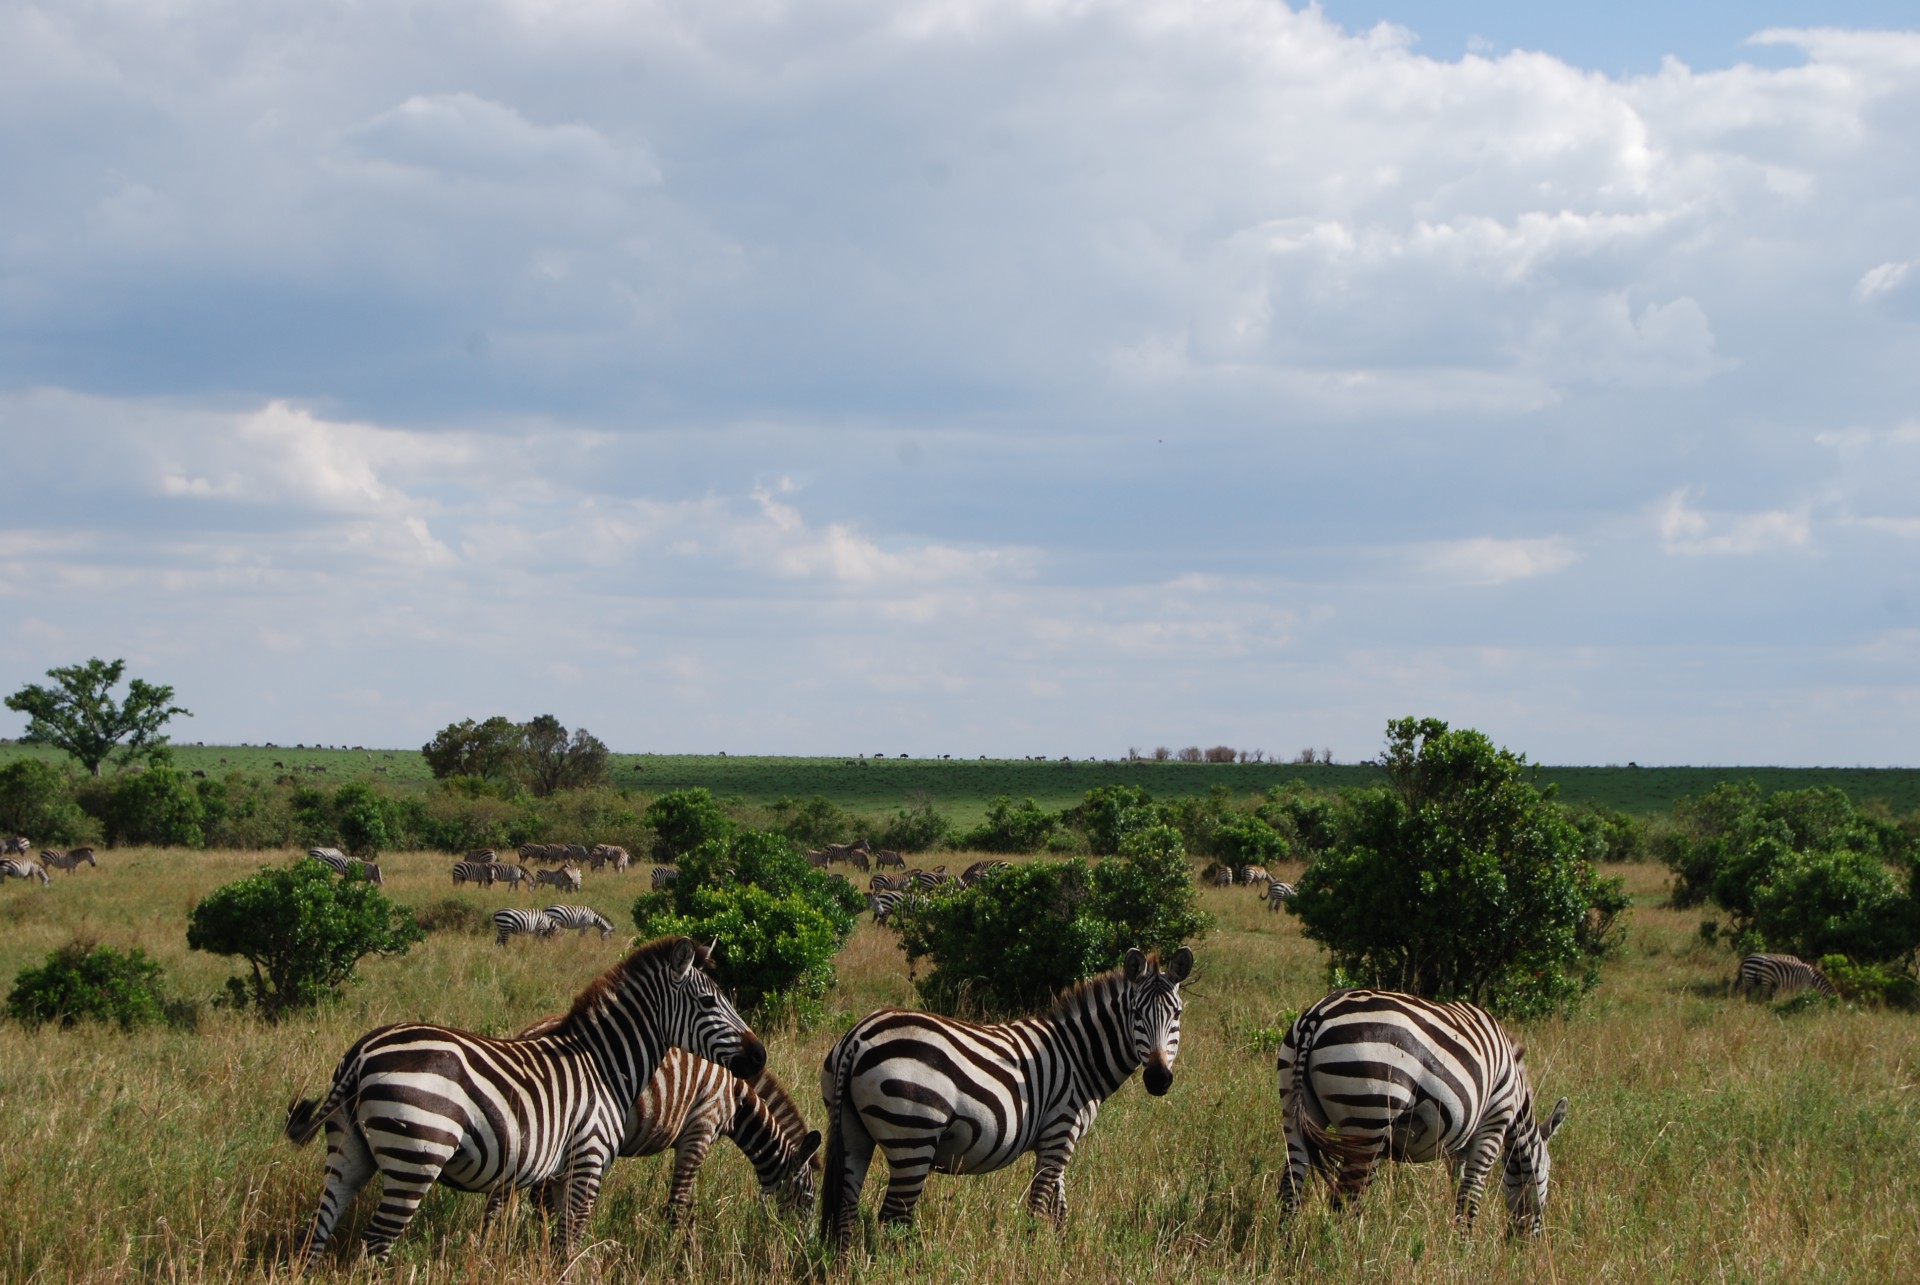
(16, 860)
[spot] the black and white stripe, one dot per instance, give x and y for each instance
(689, 1103)
(22, 868)
(581, 917)
(515, 877)
(664, 877)
(1367, 1075)
(937, 1093)
(422, 1104)
(350, 867)
(67, 861)
(566, 879)
(1774, 976)
(886, 901)
(1278, 894)
(510, 922)
(480, 872)
(980, 870)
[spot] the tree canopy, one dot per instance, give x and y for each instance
(78, 713)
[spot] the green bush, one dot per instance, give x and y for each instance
(1311, 821)
(1011, 827)
(915, 828)
(1821, 903)
(814, 823)
(683, 820)
(159, 807)
(1012, 941)
(1458, 881)
(1608, 835)
(779, 921)
(1873, 984)
(1244, 840)
(36, 799)
(362, 823)
(82, 981)
(302, 930)
(1109, 813)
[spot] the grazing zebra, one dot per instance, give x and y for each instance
(936, 1093)
(890, 883)
(1254, 876)
(509, 922)
(566, 879)
(480, 872)
(884, 903)
(423, 1104)
(581, 917)
(886, 858)
(664, 877)
(1220, 876)
(15, 844)
(67, 861)
(482, 854)
(1777, 975)
(514, 877)
(980, 870)
(609, 854)
(1369, 1074)
(926, 880)
(350, 867)
(688, 1104)
(1277, 893)
(22, 868)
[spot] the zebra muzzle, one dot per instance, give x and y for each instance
(751, 1059)
(1158, 1077)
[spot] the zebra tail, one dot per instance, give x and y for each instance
(305, 1116)
(833, 1198)
(1323, 1142)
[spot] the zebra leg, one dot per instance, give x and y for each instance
(689, 1153)
(349, 1165)
(849, 1155)
(588, 1171)
(1047, 1193)
(410, 1163)
(1475, 1162)
(909, 1164)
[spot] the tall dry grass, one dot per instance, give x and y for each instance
(1708, 1140)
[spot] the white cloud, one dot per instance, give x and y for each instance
(1489, 561)
(1693, 532)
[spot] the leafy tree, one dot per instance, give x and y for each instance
(1110, 812)
(815, 821)
(1145, 897)
(362, 820)
(158, 807)
(553, 762)
(36, 800)
(1832, 902)
(1010, 827)
(81, 980)
(1460, 881)
(78, 713)
(489, 750)
(302, 930)
(1243, 840)
(916, 828)
(683, 820)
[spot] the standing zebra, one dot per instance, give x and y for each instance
(688, 1104)
(1278, 893)
(886, 901)
(15, 845)
(349, 867)
(980, 870)
(1777, 975)
(1370, 1074)
(566, 878)
(581, 917)
(890, 883)
(515, 877)
(67, 861)
(664, 877)
(937, 1093)
(22, 868)
(887, 857)
(424, 1104)
(480, 872)
(508, 922)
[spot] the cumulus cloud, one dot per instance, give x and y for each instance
(1693, 532)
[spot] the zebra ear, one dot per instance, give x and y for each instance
(808, 1145)
(1555, 1120)
(1136, 963)
(682, 958)
(1181, 964)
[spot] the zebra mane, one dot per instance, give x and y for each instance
(780, 1103)
(1085, 989)
(654, 954)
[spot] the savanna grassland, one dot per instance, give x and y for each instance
(1709, 1139)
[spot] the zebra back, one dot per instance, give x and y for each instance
(1780, 975)
(509, 922)
(1278, 893)
(581, 917)
(480, 872)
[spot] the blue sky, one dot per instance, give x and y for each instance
(984, 376)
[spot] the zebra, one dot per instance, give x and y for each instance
(887, 858)
(350, 867)
(890, 883)
(884, 903)
(480, 872)
(664, 877)
(509, 921)
(23, 868)
(1778, 975)
(482, 854)
(606, 853)
(423, 1104)
(1367, 1074)
(1254, 876)
(937, 1093)
(15, 845)
(1278, 893)
(980, 870)
(689, 1103)
(581, 917)
(566, 878)
(926, 880)
(67, 861)
(1219, 876)
(514, 877)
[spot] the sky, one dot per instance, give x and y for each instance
(995, 377)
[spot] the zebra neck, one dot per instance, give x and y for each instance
(1089, 1028)
(626, 1050)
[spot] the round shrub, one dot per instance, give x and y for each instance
(158, 806)
(83, 981)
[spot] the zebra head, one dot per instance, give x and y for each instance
(695, 1016)
(1153, 1012)
(1523, 1180)
(797, 1189)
